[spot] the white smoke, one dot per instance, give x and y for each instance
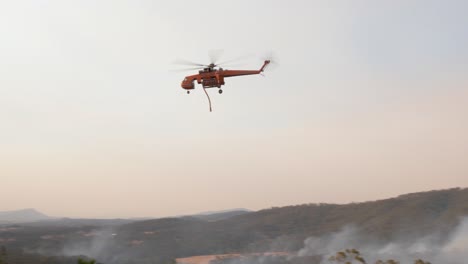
(429, 248)
(95, 247)
(94, 244)
(435, 248)
(328, 244)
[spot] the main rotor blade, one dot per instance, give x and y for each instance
(230, 66)
(235, 59)
(215, 55)
(186, 62)
(187, 69)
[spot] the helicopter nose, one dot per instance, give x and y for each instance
(187, 85)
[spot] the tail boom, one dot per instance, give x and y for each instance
(231, 73)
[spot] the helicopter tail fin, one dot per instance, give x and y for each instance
(264, 65)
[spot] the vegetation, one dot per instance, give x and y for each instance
(350, 256)
(162, 240)
(15, 256)
(347, 256)
(413, 216)
(3, 255)
(81, 261)
(420, 261)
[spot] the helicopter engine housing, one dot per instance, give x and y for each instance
(211, 82)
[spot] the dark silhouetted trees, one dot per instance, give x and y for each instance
(353, 256)
(82, 261)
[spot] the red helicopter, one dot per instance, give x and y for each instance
(211, 75)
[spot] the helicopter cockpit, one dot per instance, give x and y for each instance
(205, 70)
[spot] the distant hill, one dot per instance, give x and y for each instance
(220, 215)
(22, 216)
(78, 222)
(406, 217)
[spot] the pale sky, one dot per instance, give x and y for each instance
(367, 100)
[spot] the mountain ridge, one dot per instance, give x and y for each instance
(408, 217)
(22, 216)
(405, 217)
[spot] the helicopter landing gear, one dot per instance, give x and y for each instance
(220, 91)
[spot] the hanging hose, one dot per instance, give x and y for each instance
(209, 100)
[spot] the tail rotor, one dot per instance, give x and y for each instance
(272, 60)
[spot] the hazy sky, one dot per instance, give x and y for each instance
(369, 99)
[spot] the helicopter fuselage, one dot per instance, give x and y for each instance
(211, 77)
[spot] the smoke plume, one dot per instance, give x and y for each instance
(432, 247)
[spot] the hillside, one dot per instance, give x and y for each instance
(404, 217)
(220, 215)
(22, 216)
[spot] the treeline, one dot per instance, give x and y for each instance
(276, 229)
(16, 256)
(350, 256)
(347, 256)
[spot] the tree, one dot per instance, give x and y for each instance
(420, 261)
(3, 255)
(353, 256)
(81, 261)
(348, 256)
(391, 261)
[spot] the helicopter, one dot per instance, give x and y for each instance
(210, 76)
